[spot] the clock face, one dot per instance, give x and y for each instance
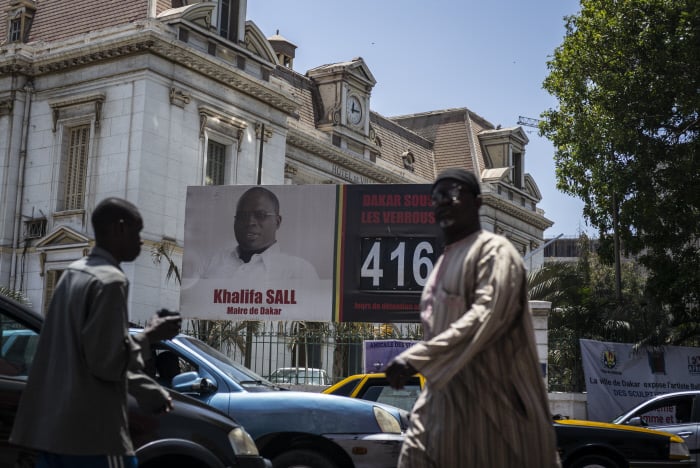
(354, 110)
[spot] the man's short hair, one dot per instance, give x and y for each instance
(265, 193)
(113, 210)
(466, 178)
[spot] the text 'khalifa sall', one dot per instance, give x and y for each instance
(253, 296)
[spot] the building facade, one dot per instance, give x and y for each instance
(141, 98)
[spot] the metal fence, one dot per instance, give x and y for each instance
(264, 347)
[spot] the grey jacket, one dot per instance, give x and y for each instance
(76, 394)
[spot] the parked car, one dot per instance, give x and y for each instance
(300, 376)
(375, 387)
(193, 435)
(290, 428)
(590, 444)
(677, 412)
(582, 444)
(17, 351)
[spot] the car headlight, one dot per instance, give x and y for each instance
(387, 422)
(242, 443)
(679, 450)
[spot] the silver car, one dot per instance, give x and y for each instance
(677, 413)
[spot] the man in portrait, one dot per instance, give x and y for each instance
(257, 254)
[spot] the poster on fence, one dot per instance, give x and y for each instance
(618, 378)
(345, 253)
(378, 353)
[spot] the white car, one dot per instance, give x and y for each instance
(300, 376)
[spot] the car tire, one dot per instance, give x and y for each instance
(302, 459)
(593, 461)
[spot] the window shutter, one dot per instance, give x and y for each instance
(216, 164)
(76, 168)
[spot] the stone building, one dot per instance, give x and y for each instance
(142, 98)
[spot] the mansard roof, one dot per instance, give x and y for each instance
(51, 23)
(454, 134)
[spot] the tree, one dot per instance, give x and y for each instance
(217, 333)
(13, 294)
(627, 78)
(585, 305)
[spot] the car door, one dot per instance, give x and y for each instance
(378, 389)
(678, 414)
(17, 348)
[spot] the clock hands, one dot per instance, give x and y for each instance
(354, 111)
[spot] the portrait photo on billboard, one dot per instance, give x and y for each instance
(259, 252)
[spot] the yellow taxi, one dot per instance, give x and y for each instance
(375, 387)
(581, 444)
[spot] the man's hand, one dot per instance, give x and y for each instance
(163, 326)
(166, 408)
(151, 397)
(397, 373)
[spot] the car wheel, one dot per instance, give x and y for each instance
(302, 459)
(593, 461)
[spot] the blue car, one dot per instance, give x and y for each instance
(192, 435)
(290, 428)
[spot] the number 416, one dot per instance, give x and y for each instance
(422, 265)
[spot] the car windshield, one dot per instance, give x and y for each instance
(300, 375)
(237, 372)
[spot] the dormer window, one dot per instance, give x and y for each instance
(408, 160)
(20, 16)
(231, 24)
(15, 29)
(518, 170)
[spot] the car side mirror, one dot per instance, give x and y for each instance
(191, 382)
(636, 421)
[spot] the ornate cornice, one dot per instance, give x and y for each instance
(529, 217)
(95, 52)
(221, 117)
(41, 59)
(325, 150)
(96, 99)
(179, 97)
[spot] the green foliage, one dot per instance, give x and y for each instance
(164, 250)
(626, 133)
(584, 305)
(12, 294)
(217, 333)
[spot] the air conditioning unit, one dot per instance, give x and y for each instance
(35, 228)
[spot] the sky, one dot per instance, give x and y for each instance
(489, 57)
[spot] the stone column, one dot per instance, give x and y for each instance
(540, 316)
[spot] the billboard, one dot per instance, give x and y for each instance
(308, 252)
(619, 378)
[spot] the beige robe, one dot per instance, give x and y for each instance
(485, 403)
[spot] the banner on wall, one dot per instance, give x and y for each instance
(618, 378)
(378, 353)
(347, 253)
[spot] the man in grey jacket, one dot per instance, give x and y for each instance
(74, 407)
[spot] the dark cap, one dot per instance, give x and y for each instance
(467, 178)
